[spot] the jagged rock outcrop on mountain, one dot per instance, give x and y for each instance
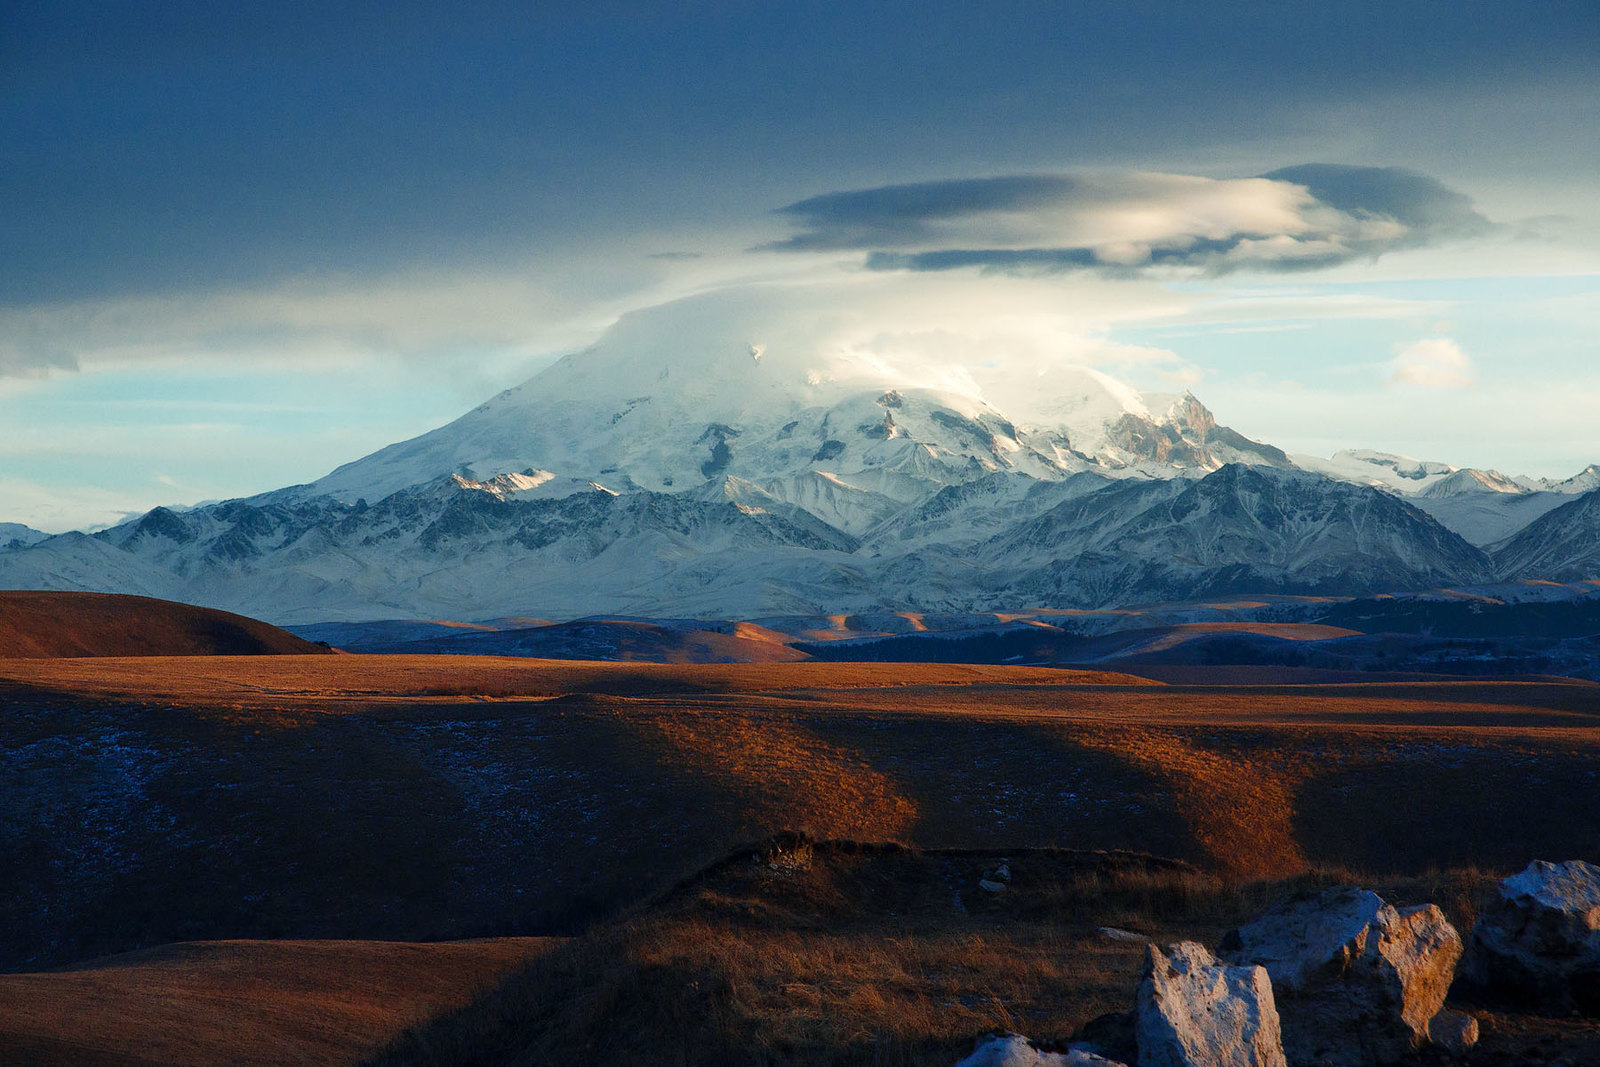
(1188, 434)
(1357, 981)
(1538, 940)
(1192, 1011)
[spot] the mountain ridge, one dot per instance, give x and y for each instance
(680, 469)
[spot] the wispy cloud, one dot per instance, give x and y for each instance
(1433, 363)
(1298, 218)
(461, 318)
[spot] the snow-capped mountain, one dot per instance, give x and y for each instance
(1242, 529)
(16, 535)
(1585, 481)
(709, 458)
(823, 425)
(1386, 470)
(1562, 545)
(1483, 506)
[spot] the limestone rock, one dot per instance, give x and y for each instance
(1356, 980)
(1014, 1050)
(1538, 941)
(1192, 1011)
(1453, 1031)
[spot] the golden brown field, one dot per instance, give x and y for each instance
(245, 1002)
(37, 623)
(421, 798)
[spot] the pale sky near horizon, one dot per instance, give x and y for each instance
(242, 244)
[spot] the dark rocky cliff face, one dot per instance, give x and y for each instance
(1190, 437)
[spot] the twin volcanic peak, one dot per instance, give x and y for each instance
(700, 462)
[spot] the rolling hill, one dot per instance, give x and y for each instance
(51, 624)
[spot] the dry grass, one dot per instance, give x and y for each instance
(1239, 807)
(245, 1002)
(161, 800)
(48, 624)
(856, 956)
(779, 774)
(445, 797)
(353, 683)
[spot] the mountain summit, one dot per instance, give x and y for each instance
(717, 457)
(710, 387)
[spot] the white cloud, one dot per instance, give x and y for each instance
(1433, 363)
(1183, 377)
(1488, 428)
(57, 508)
(1313, 216)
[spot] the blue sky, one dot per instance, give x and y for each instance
(241, 244)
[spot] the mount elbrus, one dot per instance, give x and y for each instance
(681, 469)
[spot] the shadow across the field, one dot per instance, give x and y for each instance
(288, 797)
(797, 951)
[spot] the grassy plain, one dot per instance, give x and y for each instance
(245, 1002)
(418, 798)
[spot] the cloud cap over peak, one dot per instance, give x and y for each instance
(1296, 218)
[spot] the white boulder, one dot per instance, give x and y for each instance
(1538, 940)
(1357, 981)
(1192, 1011)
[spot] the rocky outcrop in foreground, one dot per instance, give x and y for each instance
(1193, 1011)
(1357, 980)
(1343, 979)
(1538, 941)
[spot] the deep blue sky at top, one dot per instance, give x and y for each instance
(157, 145)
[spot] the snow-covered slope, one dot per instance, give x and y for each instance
(16, 535)
(1241, 529)
(76, 561)
(1468, 482)
(1585, 481)
(700, 389)
(718, 457)
(1562, 545)
(1362, 466)
(1484, 506)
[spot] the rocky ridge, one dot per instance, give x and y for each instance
(686, 469)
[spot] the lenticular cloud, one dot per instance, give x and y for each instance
(1297, 218)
